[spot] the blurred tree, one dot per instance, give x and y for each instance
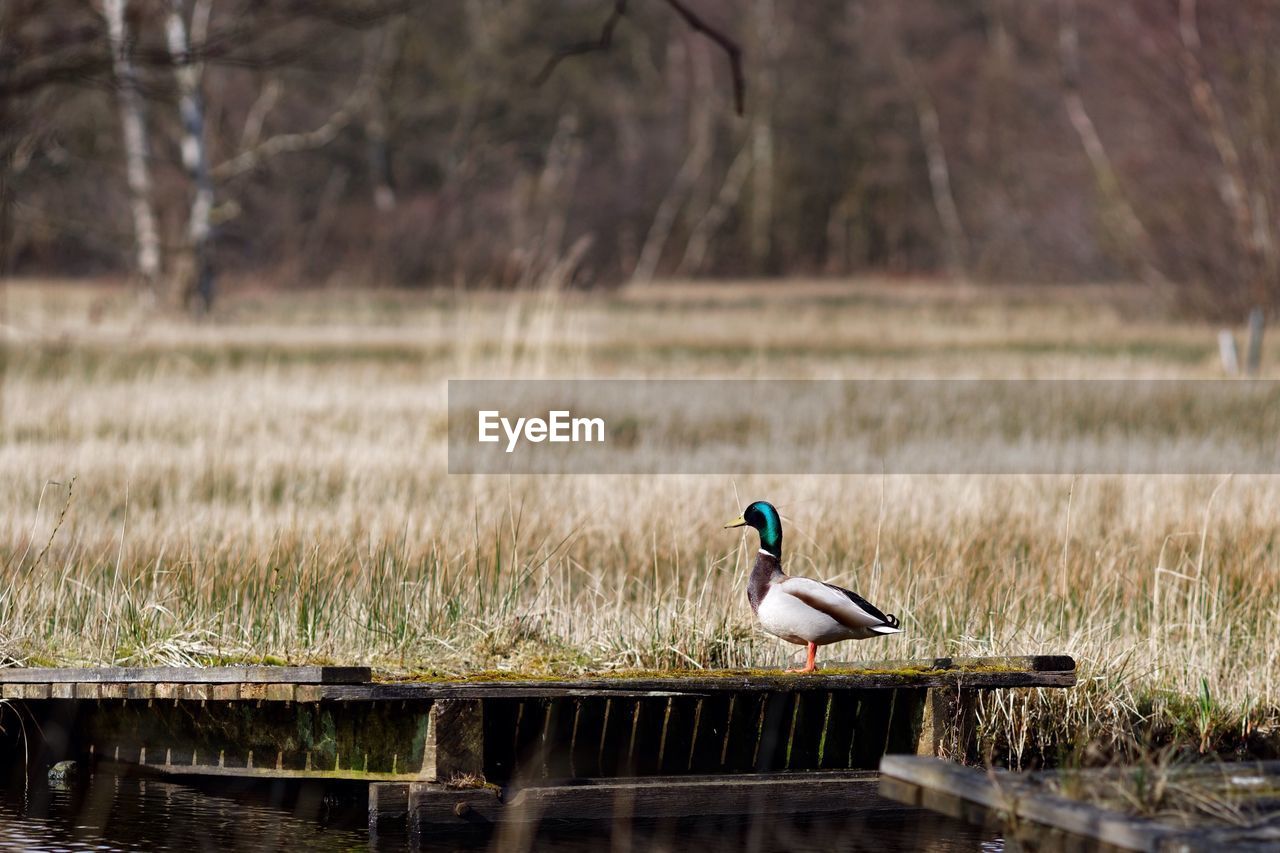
(380, 140)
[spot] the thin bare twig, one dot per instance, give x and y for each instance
(732, 51)
(695, 22)
(57, 525)
(603, 43)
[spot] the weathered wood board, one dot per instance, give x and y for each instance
(958, 673)
(1033, 813)
(187, 675)
(429, 807)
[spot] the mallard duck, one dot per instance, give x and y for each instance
(802, 610)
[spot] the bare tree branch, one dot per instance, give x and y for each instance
(732, 50)
(252, 157)
(603, 43)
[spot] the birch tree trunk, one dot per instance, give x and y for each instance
(195, 283)
(133, 127)
(1116, 204)
(1233, 182)
(935, 153)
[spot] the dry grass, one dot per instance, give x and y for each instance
(272, 485)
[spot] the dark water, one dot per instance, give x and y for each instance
(123, 813)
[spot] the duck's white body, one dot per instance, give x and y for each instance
(802, 610)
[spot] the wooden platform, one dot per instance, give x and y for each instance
(1205, 807)
(424, 807)
(331, 723)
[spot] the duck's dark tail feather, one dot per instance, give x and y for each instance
(889, 626)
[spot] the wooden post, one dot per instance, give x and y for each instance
(455, 742)
(388, 807)
(949, 729)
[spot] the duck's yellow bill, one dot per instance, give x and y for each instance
(737, 522)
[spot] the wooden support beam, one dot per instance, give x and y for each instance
(949, 727)
(454, 750)
(434, 806)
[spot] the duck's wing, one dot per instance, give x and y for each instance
(846, 607)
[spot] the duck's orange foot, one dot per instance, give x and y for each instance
(811, 664)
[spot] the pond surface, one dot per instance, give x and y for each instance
(125, 813)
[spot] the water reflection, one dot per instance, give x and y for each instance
(123, 813)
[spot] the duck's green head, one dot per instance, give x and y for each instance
(763, 517)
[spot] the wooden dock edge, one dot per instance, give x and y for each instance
(186, 675)
(356, 684)
(1000, 797)
(424, 807)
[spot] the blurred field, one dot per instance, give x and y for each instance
(271, 485)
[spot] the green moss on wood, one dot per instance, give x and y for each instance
(540, 676)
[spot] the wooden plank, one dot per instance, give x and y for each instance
(190, 675)
(775, 732)
(557, 738)
(807, 728)
(1002, 791)
(455, 741)
(113, 690)
(870, 731)
(676, 751)
(648, 724)
(951, 724)
(388, 806)
(841, 724)
(253, 692)
(957, 673)
(353, 683)
(615, 740)
(281, 692)
(25, 691)
(906, 720)
(217, 692)
(588, 729)
(140, 691)
(713, 715)
(743, 737)
(310, 693)
(234, 770)
(501, 720)
(434, 806)
(168, 690)
(531, 717)
(196, 692)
